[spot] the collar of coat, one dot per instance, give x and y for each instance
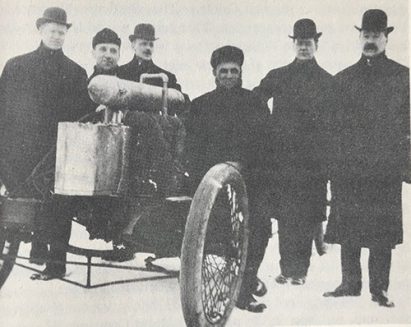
(141, 63)
(50, 53)
(304, 64)
(373, 61)
(99, 71)
(224, 91)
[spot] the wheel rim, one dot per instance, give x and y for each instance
(222, 257)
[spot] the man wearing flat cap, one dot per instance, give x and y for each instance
(228, 124)
(298, 175)
(37, 91)
(371, 138)
(142, 42)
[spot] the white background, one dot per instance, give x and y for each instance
(190, 30)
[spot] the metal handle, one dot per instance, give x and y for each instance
(164, 78)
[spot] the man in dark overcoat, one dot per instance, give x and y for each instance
(37, 91)
(300, 101)
(371, 130)
(228, 124)
(106, 52)
(142, 42)
(106, 46)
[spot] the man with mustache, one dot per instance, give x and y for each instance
(37, 91)
(299, 181)
(142, 42)
(370, 129)
(228, 124)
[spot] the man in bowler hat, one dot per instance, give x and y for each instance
(228, 124)
(298, 168)
(142, 42)
(371, 138)
(37, 91)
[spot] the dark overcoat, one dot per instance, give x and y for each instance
(133, 70)
(300, 93)
(226, 125)
(37, 90)
(371, 127)
(231, 125)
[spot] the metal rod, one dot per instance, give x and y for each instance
(164, 77)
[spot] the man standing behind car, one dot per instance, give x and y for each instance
(37, 91)
(371, 138)
(106, 51)
(142, 42)
(299, 182)
(228, 124)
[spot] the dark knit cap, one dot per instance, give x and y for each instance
(106, 35)
(227, 53)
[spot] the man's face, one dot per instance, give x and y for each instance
(143, 48)
(372, 43)
(53, 35)
(228, 74)
(106, 55)
(305, 48)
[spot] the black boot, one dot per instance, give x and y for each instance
(260, 288)
(382, 299)
(250, 304)
(344, 290)
(52, 271)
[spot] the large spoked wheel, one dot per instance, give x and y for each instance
(214, 247)
(9, 246)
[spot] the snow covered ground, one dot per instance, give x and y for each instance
(152, 301)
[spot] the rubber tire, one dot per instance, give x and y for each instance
(9, 245)
(194, 240)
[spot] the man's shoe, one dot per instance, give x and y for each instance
(281, 279)
(118, 256)
(49, 274)
(382, 299)
(260, 289)
(298, 280)
(343, 290)
(251, 305)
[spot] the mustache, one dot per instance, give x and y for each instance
(370, 46)
(147, 52)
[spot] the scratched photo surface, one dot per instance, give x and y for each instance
(188, 31)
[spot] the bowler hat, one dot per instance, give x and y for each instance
(53, 15)
(305, 29)
(227, 53)
(374, 20)
(106, 35)
(143, 31)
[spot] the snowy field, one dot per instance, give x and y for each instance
(152, 299)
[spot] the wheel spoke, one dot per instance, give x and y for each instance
(222, 260)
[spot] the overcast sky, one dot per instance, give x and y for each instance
(189, 30)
